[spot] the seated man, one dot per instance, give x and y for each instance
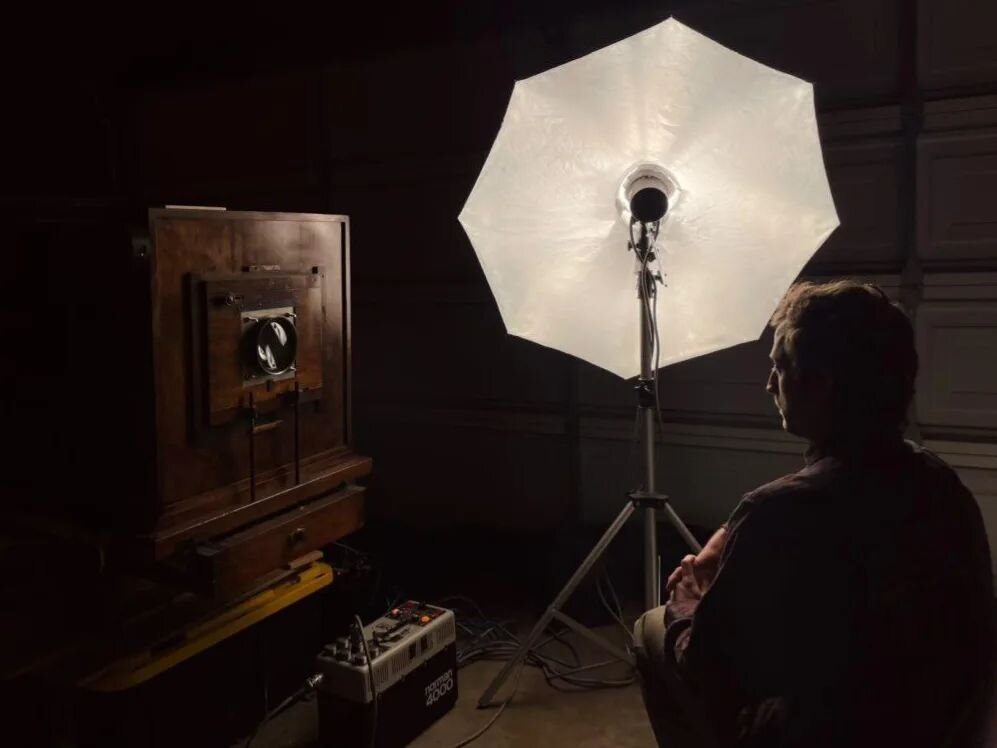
(851, 603)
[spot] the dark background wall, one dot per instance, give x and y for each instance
(387, 115)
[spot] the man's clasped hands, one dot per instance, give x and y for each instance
(694, 575)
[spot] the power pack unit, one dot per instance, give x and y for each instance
(413, 666)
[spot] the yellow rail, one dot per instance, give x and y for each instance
(136, 669)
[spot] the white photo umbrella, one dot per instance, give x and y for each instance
(735, 141)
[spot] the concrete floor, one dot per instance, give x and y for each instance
(537, 716)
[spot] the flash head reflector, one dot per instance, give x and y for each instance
(646, 193)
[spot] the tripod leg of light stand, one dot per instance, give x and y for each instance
(553, 610)
(679, 525)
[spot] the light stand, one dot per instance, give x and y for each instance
(647, 210)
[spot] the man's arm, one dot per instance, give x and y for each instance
(704, 565)
(708, 560)
(772, 620)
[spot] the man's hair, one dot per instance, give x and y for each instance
(853, 332)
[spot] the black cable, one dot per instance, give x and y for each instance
(308, 686)
(657, 366)
(616, 615)
(370, 678)
(375, 564)
(651, 306)
(484, 728)
(507, 646)
(503, 650)
(556, 636)
(616, 601)
(351, 549)
(510, 643)
(466, 600)
(576, 684)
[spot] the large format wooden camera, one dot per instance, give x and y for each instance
(251, 466)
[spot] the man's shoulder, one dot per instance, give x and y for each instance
(804, 484)
(818, 483)
(780, 499)
(930, 460)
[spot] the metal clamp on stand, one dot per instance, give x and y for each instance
(644, 500)
(645, 393)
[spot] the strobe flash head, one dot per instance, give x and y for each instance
(649, 204)
(646, 193)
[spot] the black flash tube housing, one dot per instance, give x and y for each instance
(649, 205)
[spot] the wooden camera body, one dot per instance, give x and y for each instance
(251, 465)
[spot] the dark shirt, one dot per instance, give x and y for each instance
(853, 606)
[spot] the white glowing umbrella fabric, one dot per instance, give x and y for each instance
(751, 205)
